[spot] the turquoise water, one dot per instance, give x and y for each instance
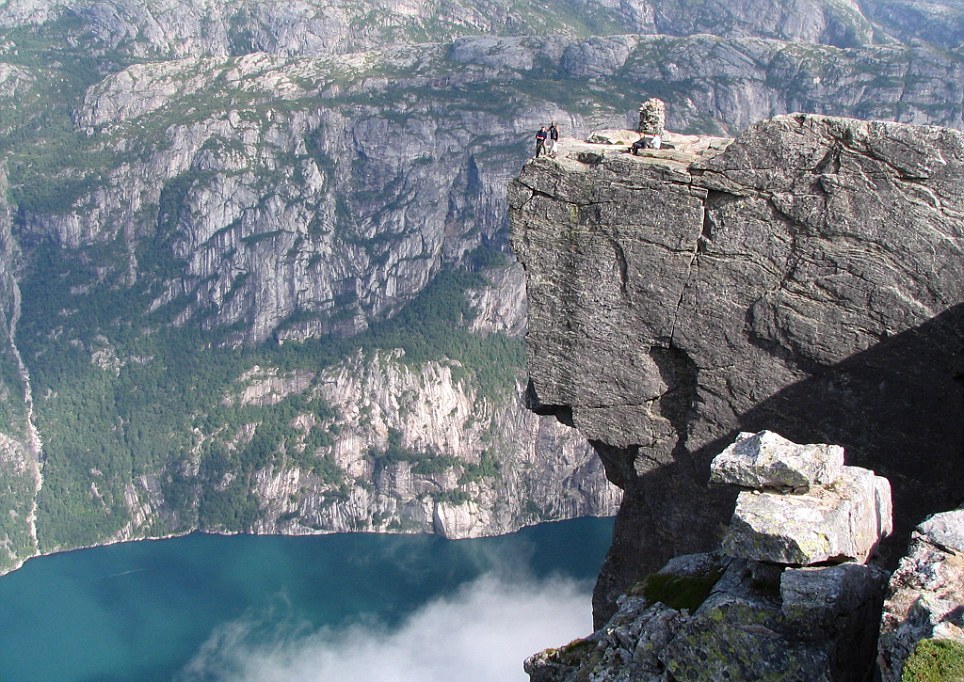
(143, 610)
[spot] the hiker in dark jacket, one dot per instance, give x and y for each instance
(541, 141)
(553, 139)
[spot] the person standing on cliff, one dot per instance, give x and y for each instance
(541, 141)
(553, 139)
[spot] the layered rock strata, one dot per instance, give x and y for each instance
(807, 277)
(711, 617)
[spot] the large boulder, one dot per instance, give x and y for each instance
(843, 521)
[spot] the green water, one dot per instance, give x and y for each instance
(144, 610)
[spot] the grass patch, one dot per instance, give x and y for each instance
(935, 660)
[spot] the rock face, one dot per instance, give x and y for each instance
(175, 28)
(807, 278)
(925, 597)
(417, 451)
(738, 616)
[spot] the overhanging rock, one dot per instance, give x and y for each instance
(807, 277)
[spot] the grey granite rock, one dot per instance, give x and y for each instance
(925, 597)
(808, 278)
(945, 530)
(767, 460)
(810, 625)
(843, 521)
(819, 598)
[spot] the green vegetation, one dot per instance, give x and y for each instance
(453, 497)
(582, 653)
(124, 394)
(13, 410)
(488, 467)
(676, 591)
(935, 660)
(424, 462)
(16, 494)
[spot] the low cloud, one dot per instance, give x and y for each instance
(482, 633)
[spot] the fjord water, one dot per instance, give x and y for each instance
(150, 610)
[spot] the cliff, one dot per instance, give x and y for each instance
(251, 248)
(806, 277)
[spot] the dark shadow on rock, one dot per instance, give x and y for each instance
(897, 408)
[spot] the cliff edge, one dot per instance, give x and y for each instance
(806, 277)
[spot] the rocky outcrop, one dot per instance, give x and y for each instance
(808, 278)
(739, 616)
(925, 597)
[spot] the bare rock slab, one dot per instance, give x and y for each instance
(836, 523)
(767, 460)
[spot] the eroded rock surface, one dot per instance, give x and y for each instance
(807, 278)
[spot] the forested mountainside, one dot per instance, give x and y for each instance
(253, 255)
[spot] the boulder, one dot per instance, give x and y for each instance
(807, 278)
(767, 460)
(840, 522)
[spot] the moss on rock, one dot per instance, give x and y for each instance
(676, 591)
(935, 660)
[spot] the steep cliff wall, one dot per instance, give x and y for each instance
(20, 447)
(808, 279)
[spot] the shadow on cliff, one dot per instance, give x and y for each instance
(897, 408)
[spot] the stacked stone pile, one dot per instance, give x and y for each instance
(803, 506)
(787, 599)
(652, 117)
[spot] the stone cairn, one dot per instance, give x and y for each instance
(652, 117)
(803, 506)
(787, 599)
